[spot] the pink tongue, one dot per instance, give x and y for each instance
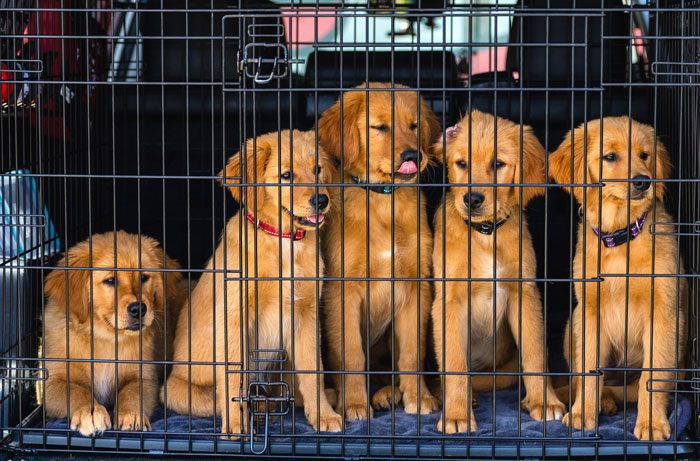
(316, 219)
(408, 167)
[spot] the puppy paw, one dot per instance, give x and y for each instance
(607, 405)
(382, 400)
(232, 431)
(458, 424)
(660, 429)
(89, 422)
(428, 403)
(330, 421)
(131, 421)
(555, 409)
(355, 411)
(331, 396)
(573, 420)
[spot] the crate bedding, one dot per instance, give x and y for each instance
(405, 425)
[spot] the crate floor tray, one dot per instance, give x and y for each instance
(385, 435)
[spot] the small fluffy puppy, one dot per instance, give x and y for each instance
(375, 150)
(99, 306)
(276, 227)
(469, 222)
(612, 233)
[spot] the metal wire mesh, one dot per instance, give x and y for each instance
(120, 115)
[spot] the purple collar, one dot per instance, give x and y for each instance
(622, 236)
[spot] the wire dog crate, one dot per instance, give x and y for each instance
(121, 114)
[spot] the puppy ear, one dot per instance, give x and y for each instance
(663, 169)
(257, 153)
(429, 129)
(561, 163)
(331, 124)
(437, 148)
(73, 284)
(532, 166)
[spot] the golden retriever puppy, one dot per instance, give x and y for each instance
(100, 306)
(274, 235)
(377, 149)
(463, 312)
(612, 231)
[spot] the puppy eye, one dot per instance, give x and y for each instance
(286, 176)
(109, 281)
(499, 164)
(461, 164)
(318, 170)
(644, 156)
(145, 278)
(383, 128)
(414, 125)
(610, 157)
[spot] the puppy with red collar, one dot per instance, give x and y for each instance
(276, 228)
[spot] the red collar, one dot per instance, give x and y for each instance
(298, 235)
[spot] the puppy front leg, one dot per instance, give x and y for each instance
(412, 351)
(135, 407)
(306, 358)
(584, 414)
(351, 388)
(87, 415)
(663, 352)
(457, 415)
(534, 357)
(231, 387)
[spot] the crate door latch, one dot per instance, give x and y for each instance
(264, 69)
(275, 400)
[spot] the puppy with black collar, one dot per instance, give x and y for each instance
(475, 218)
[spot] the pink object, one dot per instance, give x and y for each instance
(408, 168)
(303, 26)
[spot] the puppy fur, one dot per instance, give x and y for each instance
(216, 314)
(579, 159)
(367, 153)
(463, 312)
(83, 301)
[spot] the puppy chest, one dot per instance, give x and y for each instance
(103, 382)
(487, 306)
(398, 257)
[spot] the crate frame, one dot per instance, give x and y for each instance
(61, 166)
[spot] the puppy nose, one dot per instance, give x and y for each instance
(641, 182)
(136, 310)
(319, 202)
(410, 156)
(474, 200)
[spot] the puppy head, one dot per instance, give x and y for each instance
(123, 300)
(621, 156)
(368, 131)
(276, 159)
(501, 165)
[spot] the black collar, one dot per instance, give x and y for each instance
(375, 188)
(486, 228)
(624, 235)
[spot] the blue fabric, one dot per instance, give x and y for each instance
(405, 425)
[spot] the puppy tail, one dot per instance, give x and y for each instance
(185, 397)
